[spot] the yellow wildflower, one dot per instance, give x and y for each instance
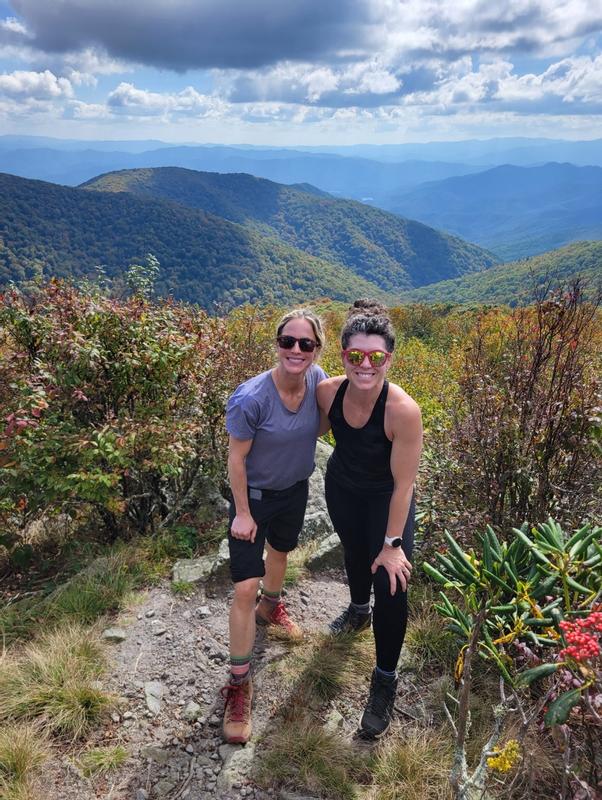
(503, 760)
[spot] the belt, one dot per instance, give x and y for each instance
(258, 494)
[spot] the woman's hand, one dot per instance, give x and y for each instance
(244, 527)
(397, 565)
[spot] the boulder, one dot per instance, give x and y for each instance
(192, 570)
(328, 554)
(114, 635)
(317, 525)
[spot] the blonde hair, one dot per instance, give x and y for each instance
(313, 319)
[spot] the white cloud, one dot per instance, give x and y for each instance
(37, 85)
(128, 99)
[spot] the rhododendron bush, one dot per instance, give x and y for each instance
(115, 405)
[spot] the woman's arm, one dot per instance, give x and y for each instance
(325, 392)
(406, 430)
(243, 524)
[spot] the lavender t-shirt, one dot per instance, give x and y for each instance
(284, 442)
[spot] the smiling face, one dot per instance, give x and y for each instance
(364, 376)
(295, 361)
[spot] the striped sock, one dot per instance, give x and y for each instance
(271, 597)
(240, 667)
(361, 608)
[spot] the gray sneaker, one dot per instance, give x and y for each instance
(351, 621)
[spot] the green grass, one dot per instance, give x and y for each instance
(302, 754)
(183, 588)
(101, 587)
(322, 666)
(54, 681)
(415, 767)
(296, 562)
(428, 640)
(100, 760)
(23, 750)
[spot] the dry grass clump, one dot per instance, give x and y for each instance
(415, 767)
(100, 760)
(296, 562)
(322, 666)
(430, 643)
(23, 749)
(53, 680)
(303, 755)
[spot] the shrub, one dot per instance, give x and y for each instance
(115, 405)
(521, 443)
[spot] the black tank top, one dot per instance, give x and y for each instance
(361, 459)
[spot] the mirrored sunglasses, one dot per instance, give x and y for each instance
(377, 358)
(288, 342)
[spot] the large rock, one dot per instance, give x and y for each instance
(328, 554)
(114, 635)
(193, 570)
(236, 767)
(317, 524)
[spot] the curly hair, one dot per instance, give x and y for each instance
(370, 317)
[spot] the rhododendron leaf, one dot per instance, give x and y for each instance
(526, 678)
(559, 710)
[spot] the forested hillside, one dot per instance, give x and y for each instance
(516, 283)
(394, 253)
(204, 259)
(513, 211)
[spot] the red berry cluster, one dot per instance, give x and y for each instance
(582, 637)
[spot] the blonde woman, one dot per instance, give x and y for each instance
(273, 421)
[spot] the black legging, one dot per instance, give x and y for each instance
(361, 523)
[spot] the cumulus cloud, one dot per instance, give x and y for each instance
(128, 99)
(36, 85)
(311, 60)
(367, 83)
(237, 34)
(185, 34)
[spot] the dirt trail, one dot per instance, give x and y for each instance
(180, 646)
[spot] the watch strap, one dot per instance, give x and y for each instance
(393, 541)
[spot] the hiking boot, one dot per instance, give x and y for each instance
(379, 708)
(267, 613)
(237, 712)
(351, 621)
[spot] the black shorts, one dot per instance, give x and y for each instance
(279, 516)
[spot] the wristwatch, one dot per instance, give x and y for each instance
(393, 541)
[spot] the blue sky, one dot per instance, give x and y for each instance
(305, 72)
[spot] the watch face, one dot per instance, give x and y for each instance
(396, 542)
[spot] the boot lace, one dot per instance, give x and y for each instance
(237, 701)
(279, 616)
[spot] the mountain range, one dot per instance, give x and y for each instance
(513, 211)
(513, 196)
(392, 252)
(518, 283)
(209, 259)
(361, 179)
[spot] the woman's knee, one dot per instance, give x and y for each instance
(382, 588)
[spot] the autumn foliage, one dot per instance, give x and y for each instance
(114, 405)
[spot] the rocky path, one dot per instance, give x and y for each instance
(167, 666)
